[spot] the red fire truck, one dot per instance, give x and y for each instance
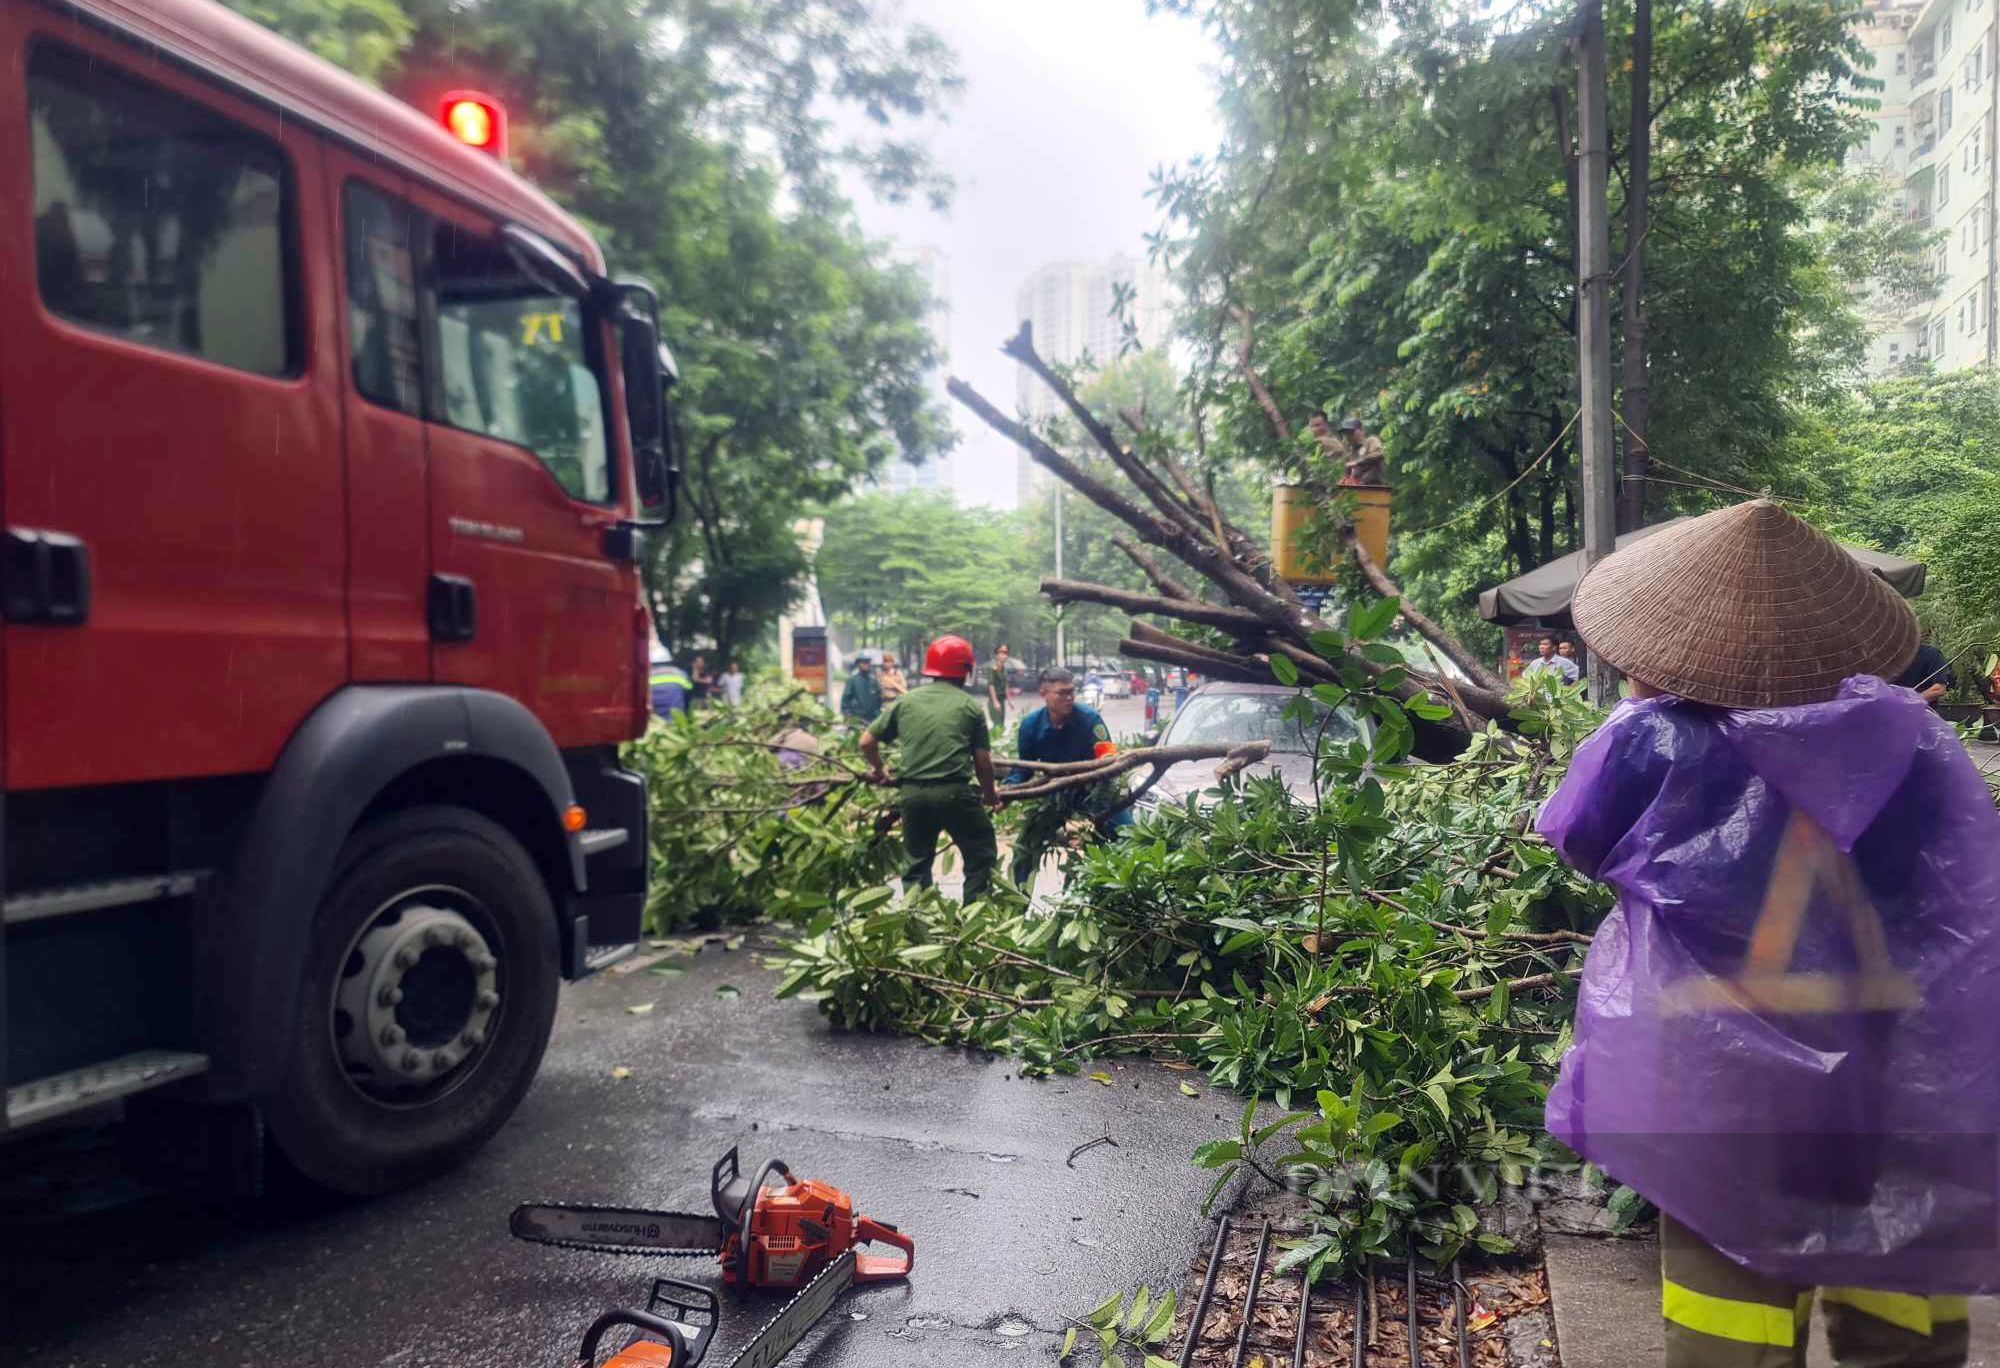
(323, 441)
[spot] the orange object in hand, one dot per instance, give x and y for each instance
(1102, 749)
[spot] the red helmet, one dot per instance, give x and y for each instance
(949, 657)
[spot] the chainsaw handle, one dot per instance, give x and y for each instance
(876, 1267)
(641, 1320)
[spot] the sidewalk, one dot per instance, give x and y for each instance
(1606, 1298)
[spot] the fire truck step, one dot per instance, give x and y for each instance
(88, 897)
(43, 1099)
(599, 839)
(598, 956)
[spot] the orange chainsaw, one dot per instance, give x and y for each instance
(801, 1234)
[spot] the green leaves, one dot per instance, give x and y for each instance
(1136, 1322)
(1216, 1153)
(1283, 670)
(1368, 619)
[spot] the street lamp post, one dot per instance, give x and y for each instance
(1062, 656)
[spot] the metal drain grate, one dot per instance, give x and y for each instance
(1258, 1293)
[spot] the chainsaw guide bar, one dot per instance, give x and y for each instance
(617, 1230)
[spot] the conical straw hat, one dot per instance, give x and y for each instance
(1746, 607)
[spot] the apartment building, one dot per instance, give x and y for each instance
(1933, 142)
(1070, 304)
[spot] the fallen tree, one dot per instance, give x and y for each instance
(1170, 511)
(1398, 960)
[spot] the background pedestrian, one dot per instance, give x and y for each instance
(669, 684)
(890, 677)
(702, 681)
(996, 687)
(862, 698)
(732, 685)
(1546, 661)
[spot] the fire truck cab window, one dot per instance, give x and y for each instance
(517, 363)
(156, 220)
(382, 336)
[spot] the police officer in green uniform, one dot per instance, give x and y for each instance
(942, 731)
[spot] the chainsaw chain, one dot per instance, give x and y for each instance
(606, 1247)
(755, 1353)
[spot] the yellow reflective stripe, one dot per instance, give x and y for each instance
(1721, 1318)
(1950, 1309)
(1803, 1311)
(1899, 1309)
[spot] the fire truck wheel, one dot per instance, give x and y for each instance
(426, 1000)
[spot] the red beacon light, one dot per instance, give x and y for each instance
(477, 120)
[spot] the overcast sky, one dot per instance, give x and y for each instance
(1069, 105)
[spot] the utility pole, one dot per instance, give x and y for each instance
(1062, 657)
(1600, 514)
(1634, 396)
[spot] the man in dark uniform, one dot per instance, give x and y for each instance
(862, 698)
(945, 746)
(1058, 732)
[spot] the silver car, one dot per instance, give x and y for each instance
(1219, 713)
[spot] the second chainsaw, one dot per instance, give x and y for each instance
(777, 1237)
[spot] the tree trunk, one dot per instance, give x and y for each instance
(1638, 221)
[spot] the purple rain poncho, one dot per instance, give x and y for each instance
(1788, 1032)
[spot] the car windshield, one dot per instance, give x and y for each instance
(1224, 718)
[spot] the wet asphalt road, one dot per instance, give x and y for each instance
(952, 1147)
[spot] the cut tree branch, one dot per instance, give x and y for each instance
(1022, 348)
(1151, 568)
(1193, 549)
(1248, 672)
(1264, 400)
(1160, 757)
(1207, 614)
(1454, 650)
(1140, 630)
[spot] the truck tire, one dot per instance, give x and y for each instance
(425, 1002)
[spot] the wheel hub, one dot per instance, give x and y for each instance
(422, 999)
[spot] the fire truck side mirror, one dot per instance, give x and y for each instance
(648, 374)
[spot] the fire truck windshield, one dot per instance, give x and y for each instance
(520, 364)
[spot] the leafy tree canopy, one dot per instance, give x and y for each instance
(1395, 204)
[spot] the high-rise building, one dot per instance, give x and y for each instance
(1933, 144)
(1072, 307)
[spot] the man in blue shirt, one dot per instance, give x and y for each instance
(1058, 732)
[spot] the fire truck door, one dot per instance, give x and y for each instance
(174, 528)
(524, 485)
(389, 564)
